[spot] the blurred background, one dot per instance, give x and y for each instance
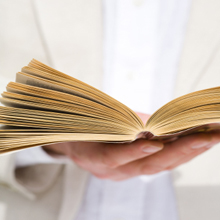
(51, 32)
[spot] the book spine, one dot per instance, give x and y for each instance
(145, 134)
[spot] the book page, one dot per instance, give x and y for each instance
(25, 79)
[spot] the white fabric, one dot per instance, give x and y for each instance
(142, 48)
(149, 199)
(143, 41)
(139, 42)
(36, 155)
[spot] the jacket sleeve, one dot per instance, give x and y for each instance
(29, 180)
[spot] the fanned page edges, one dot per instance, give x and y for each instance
(186, 113)
(45, 106)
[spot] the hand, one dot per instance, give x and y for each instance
(123, 161)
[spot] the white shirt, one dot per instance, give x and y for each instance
(142, 46)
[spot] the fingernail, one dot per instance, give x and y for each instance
(150, 149)
(200, 145)
(209, 146)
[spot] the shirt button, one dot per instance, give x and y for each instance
(138, 2)
(130, 75)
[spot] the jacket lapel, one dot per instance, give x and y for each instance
(199, 65)
(72, 34)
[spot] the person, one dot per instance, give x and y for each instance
(143, 57)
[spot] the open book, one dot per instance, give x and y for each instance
(46, 106)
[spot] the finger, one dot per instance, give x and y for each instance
(215, 138)
(119, 174)
(191, 156)
(171, 154)
(130, 170)
(187, 158)
(114, 155)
